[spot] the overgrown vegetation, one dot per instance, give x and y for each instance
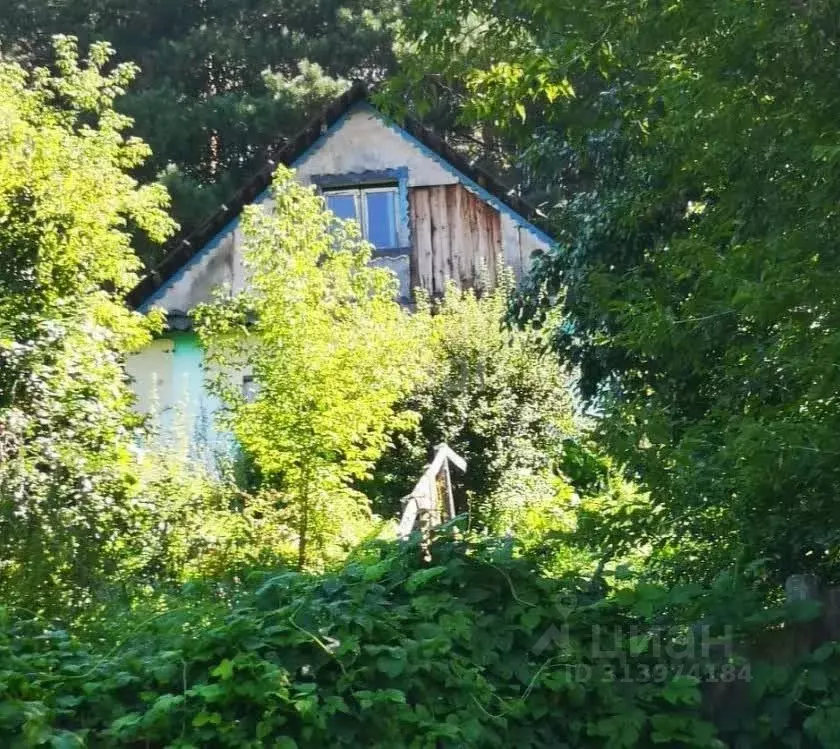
(691, 176)
(613, 581)
(331, 353)
(67, 499)
(491, 395)
(459, 644)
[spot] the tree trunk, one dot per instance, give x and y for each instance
(303, 525)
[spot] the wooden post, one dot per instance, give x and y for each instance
(450, 497)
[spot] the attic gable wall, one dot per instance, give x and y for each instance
(360, 143)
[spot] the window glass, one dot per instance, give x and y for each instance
(342, 205)
(381, 223)
(249, 388)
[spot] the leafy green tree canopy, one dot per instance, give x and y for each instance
(219, 80)
(690, 157)
(330, 351)
(66, 201)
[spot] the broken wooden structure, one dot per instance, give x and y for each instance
(431, 502)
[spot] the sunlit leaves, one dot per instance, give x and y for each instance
(66, 428)
(331, 353)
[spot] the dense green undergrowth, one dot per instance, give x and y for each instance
(452, 645)
(591, 629)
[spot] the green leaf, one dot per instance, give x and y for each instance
(393, 667)
(622, 731)
(684, 729)
(422, 577)
(816, 680)
(224, 670)
(166, 703)
(204, 718)
(682, 690)
(209, 692)
(638, 644)
(126, 721)
(824, 652)
(66, 740)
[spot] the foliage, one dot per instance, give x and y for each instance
(331, 353)
(220, 81)
(66, 429)
(690, 161)
(496, 399)
(603, 520)
(200, 525)
(469, 648)
(389, 652)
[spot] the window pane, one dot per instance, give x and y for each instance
(381, 224)
(343, 206)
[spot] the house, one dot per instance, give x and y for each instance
(430, 215)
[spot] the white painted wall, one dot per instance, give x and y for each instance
(221, 266)
(518, 244)
(169, 380)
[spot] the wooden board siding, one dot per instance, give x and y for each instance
(454, 236)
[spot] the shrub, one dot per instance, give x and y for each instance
(469, 649)
(494, 398)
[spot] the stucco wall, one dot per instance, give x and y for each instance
(363, 142)
(220, 266)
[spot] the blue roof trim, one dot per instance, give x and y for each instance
(195, 259)
(463, 178)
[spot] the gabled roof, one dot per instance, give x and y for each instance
(187, 245)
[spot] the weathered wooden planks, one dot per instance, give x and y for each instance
(421, 225)
(457, 236)
(431, 502)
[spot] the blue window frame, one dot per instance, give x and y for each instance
(375, 208)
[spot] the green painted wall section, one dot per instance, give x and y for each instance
(191, 407)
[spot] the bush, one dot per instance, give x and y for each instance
(468, 649)
(494, 398)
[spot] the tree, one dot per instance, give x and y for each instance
(220, 81)
(496, 397)
(66, 439)
(331, 354)
(694, 175)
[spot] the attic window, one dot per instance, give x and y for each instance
(375, 208)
